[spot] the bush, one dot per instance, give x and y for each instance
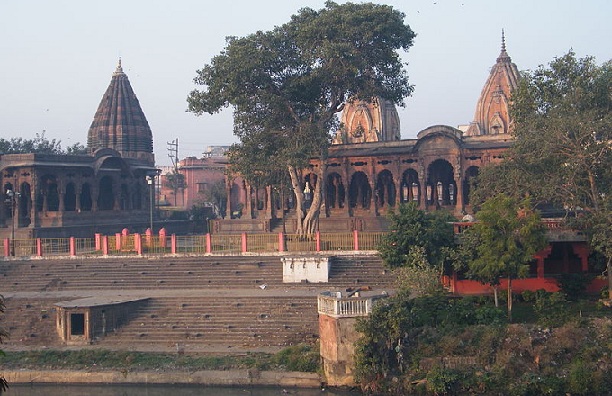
(574, 285)
(551, 308)
(443, 381)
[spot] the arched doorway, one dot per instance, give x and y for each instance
(70, 198)
(336, 193)
(441, 186)
(106, 198)
(385, 189)
(85, 197)
(360, 192)
(410, 187)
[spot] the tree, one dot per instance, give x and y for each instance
(39, 145)
(410, 228)
(175, 181)
(562, 153)
(287, 85)
(504, 239)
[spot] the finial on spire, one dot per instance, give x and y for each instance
(503, 43)
(119, 69)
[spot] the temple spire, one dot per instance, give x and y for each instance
(119, 69)
(503, 56)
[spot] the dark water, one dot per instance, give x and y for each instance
(164, 390)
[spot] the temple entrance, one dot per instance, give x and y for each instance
(410, 187)
(385, 190)
(360, 192)
(441, 187)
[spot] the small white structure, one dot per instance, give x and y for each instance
(312, 269)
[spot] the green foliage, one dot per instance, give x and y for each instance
(410, 228)
(39, 145)
(443, 381)
(574, 286)
(550, 308)
(303, 358)
(562, 155)
(287, 85)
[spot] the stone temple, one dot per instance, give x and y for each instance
(103, 191)
(371, 170)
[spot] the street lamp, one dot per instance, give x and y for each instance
(150, 182)
(13, 199)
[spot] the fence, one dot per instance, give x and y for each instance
(137, 244)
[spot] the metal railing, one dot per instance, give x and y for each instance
(192, 244)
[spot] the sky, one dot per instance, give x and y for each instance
(57, 57)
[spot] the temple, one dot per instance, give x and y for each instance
(78, 195)
(371, 170)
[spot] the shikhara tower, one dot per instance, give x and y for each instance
(120, 123)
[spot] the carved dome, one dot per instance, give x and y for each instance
(119, 122)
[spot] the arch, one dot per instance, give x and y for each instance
(469, 182)
(360, 192)
(85, 197)
(441, 186)
(137, 197)
(410, 186)
(106, 198)
(385, 189)
(70, 198)
(125, 197)
(336, 193)
(48, 196)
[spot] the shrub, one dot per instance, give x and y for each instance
(574, 285)
(551, 308)
(443, 381)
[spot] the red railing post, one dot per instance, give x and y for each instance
(39, 249)
(118, 241)
(281, 242)
(98, 241)
(318, 240)
(138, 243)
(244, 242)
(208, 243)
(355, 240)
(105, 245)
(173, 243)
(72, 243)
(7, 247)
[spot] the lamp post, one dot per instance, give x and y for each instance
(150, 182)
(13, 198)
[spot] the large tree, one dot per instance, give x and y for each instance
(287, 85)
(562, 154)
(503, 240)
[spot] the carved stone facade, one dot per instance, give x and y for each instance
(105, 191)
(370, 171)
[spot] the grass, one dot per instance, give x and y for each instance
(299, 358)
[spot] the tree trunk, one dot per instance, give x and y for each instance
(610, 278)
(495, 296)
(509, 300)
(307, 220)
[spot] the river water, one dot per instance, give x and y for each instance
(164, 390)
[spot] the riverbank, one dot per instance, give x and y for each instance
(247, 377)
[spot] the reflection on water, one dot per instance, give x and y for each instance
(163, 390)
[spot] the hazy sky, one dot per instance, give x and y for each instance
(57, 57)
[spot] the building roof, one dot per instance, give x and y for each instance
(120, 123)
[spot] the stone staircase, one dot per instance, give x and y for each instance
(194, 323)
(197, 303)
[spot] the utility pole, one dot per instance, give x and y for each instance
(173, 154)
